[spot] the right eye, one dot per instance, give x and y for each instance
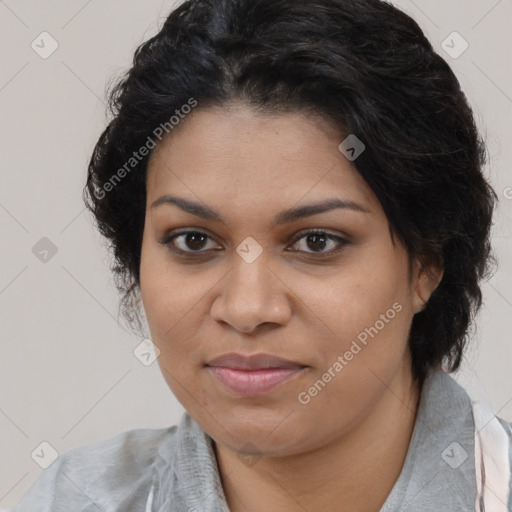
(182, 241)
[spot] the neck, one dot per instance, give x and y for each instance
(354, 472)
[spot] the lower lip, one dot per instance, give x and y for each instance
(252, 382)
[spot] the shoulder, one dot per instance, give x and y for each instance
(507, 465)
(114, 474)
(493, 457)
(507, 427)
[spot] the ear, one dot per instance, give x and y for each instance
(426, 276)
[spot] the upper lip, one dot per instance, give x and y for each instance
(253, 362)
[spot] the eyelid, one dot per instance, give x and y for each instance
(312, 231)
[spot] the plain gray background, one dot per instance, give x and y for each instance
(69, 376)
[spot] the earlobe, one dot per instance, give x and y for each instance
(426, 278)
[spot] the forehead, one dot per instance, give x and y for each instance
(238, 157)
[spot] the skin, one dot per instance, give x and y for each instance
(328, 454)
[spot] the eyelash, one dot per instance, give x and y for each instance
(191, 254)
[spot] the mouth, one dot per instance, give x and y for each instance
(253, 375)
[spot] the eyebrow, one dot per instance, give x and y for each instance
(286, 216)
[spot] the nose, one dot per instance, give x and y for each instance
(251, 294)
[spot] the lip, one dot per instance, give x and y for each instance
(253, 362)
(253, 375)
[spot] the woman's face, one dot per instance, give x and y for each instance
(254, 282)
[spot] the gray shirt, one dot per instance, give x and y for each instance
(175, 469)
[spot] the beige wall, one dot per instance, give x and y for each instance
(68, 374)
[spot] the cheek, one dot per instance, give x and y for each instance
(366, 311)
(162, 293)
(356, 299)
(165, 291)
(175, 303)
(170, 304)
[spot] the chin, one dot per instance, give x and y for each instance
(271, 433)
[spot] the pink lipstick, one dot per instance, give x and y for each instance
(252, 375)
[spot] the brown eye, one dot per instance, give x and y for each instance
(316, 241)
(188, 241)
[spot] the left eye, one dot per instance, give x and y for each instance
(317, 240)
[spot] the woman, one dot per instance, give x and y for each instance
(293, 190)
